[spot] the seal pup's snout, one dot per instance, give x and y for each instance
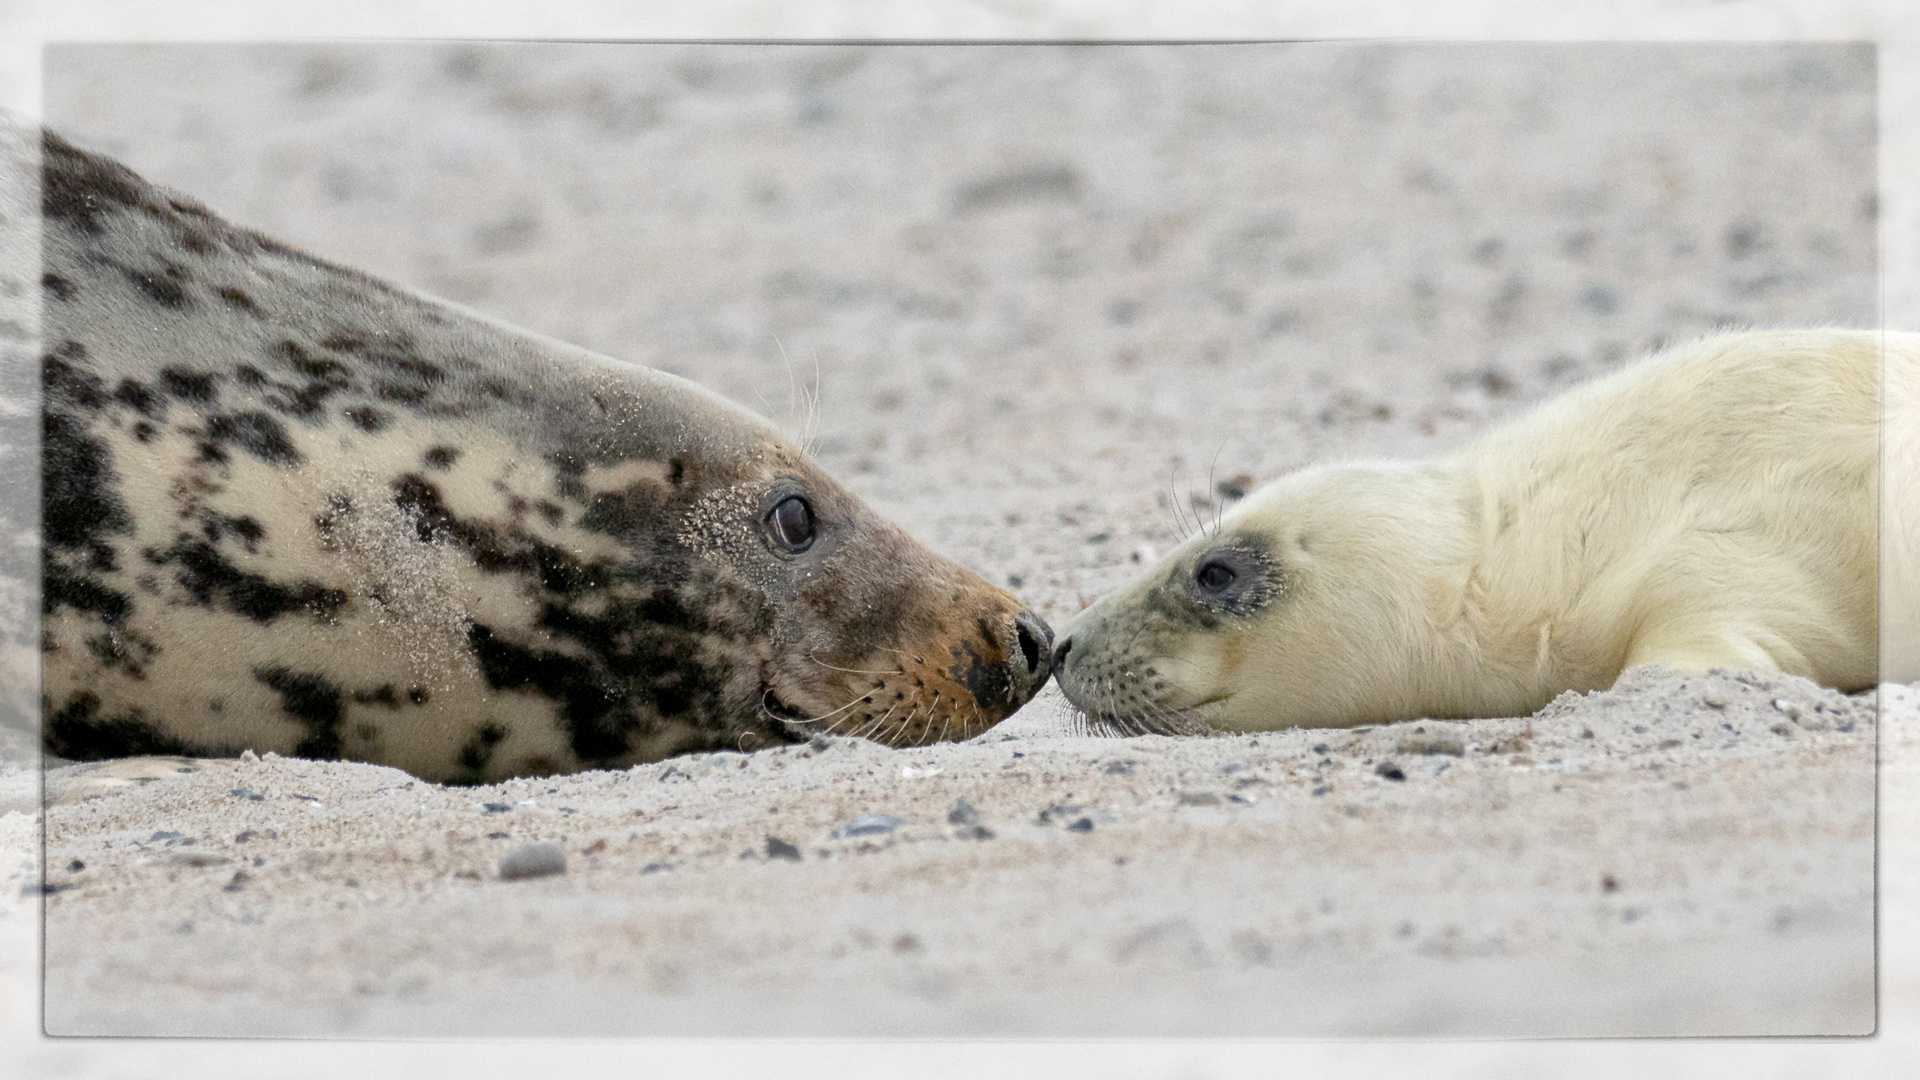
(1035, 640)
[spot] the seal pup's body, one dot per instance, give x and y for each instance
(1712, 506)
(289, 507)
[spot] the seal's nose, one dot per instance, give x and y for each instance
(1036, 646)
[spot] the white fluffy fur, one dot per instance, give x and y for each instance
(1712, 506)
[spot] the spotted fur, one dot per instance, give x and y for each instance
(290, 507)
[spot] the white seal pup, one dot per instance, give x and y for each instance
(1714, 505)
(289, 507)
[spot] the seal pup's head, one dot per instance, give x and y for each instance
(1307, 605)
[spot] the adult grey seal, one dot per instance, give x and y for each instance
(1712, 506)
(289, 507)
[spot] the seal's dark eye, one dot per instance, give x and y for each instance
(1214, 576)
(791, 524)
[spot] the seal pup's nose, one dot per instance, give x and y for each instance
(1035, 638)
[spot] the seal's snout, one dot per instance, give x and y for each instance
(1035, 639)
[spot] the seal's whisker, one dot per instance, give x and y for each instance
(851, 671)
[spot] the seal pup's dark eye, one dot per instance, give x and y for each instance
(1234, 579)
(790, 523)
(1214, 576)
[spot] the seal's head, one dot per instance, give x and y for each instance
(1294, 610)
(841, 622)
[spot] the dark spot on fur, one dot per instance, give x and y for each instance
(135, 396)
(238, 299)
(67, 384)
(79, 502)
(166, 286)
(60, 587)
(248, 375)
(248, 530)
(419, 695)
(312, 700)
(588, 704)
(478, 751)
(194, 386)
(58, 287)
(78, 188)
(676, 471)
(385, 694)
(441, 457)
(78, 732)
(256, 433)
(209, 578)
(366, 418)
(144, 431)
(633, 513)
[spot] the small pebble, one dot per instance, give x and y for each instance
(1199, 798)
(1390, 771)
(533, 861)
(246, 793)
(780, 849)
(655, 867)
(165, 834)
(963, 813)
(1714, 699)
(868, 825)
(496, 807)
(76, 866)
(1227, 768)
(1085, 824)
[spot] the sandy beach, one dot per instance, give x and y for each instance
(1053, 303)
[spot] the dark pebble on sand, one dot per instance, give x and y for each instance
(496, 807)
(1321, 790)
(1390, 771)
(195, 858)
(76, 866)
(246, 793)
(963, 813)
(165, 834)
(240, 879)
(1085, 824)
(868, 825)
(780, 849)
(533, 861)
(496, 836)
(655, 867)
(1320, 748)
